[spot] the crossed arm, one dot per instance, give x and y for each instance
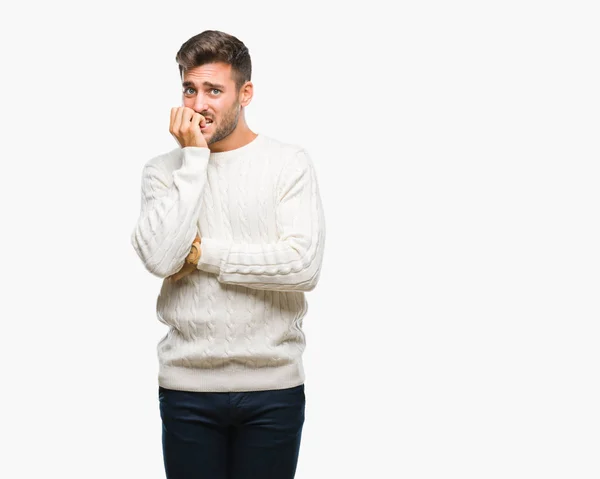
(292, 263)
(191, 261)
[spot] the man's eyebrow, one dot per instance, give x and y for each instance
(188, 83)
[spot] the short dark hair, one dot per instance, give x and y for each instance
(212, 46)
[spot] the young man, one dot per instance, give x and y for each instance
(232, 221)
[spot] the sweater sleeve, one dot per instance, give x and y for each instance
(293, 262)
(167, 224)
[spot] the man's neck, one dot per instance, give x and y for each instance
(238, 138)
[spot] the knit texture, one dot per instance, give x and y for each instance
(235, 323)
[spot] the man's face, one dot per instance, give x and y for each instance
(210, 91)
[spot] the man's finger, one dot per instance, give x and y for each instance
(187, 269)
(176, 276)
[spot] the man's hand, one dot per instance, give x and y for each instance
(187, 267)
(185, 127)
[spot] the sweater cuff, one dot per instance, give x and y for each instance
(195, 157)
(213, 254)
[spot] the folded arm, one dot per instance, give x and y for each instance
(293, 262)
(167, 224)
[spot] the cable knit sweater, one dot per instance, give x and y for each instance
(235, 323)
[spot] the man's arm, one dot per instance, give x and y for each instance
(293, 262)
(167, 224)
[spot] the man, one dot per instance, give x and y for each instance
(232, 221)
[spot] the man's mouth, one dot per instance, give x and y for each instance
(208, 123)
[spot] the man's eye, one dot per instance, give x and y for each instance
(217, 90)
(188, 88)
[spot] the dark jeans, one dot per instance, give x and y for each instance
(239, 435)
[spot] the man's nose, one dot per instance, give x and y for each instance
(200, 104)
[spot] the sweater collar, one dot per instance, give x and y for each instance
(236, 153)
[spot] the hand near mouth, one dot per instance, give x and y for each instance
(186, 126)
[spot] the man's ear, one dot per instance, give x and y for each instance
(246, 93)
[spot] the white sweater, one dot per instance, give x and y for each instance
(235, 324)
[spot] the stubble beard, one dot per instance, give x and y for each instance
(227, 124)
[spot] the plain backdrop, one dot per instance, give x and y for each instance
(454, 332)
